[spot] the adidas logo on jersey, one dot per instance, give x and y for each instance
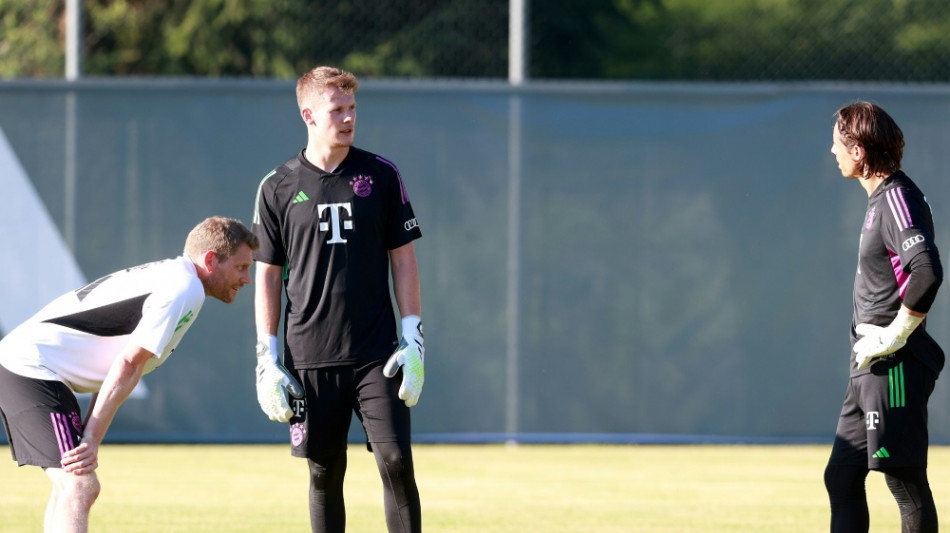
(301, 197)
(881, 454)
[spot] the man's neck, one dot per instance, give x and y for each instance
(871, 184)
(324, 157)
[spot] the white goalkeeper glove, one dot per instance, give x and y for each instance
(410, 355)
(274, 382)
(877, 341)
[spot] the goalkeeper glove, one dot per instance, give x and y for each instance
(274, 382)
(877, 341)
(410, 355)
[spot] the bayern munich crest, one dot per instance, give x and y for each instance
(362, 185)
(76, 421)
(297, 433)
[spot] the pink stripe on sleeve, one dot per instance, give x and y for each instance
(402, 186)
(895, 201)
(905, 209)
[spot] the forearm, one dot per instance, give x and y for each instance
(123, 376)
(406, 285)
(267, 291)
(92, 405)
(926, 276)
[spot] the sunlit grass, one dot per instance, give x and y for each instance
(469, 488)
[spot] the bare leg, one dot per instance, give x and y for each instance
(70, 502)
(49, 517)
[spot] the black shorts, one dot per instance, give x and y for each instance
(321, 421)
(883, 421)
(41, 419)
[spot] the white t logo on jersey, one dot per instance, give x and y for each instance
(334, 226)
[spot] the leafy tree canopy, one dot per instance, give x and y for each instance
(898, 40)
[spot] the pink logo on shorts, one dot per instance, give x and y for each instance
(362, 185)
(76, 421)
(297, 433)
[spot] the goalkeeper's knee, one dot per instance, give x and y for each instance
(849, 506)
(845, 483)
(911, 490)
(327, 471)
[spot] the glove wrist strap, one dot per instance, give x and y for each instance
(905, 323)
(412, 326)
(267, 345)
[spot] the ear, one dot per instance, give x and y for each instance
(307, 115)
(857, 152)
(210, 261)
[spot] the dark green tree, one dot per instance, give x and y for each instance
(203, 38)
(744, 40)
(31, 39)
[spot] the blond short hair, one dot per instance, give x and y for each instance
(220, 235)
(317, 80)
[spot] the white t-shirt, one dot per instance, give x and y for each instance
(76, 337)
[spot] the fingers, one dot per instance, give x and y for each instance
(279, 416)
(410, 390)
(277, 408)
(82, 459)
(81, 468)
(294, 388)
(392, 366)
(863, 344)
(407, 395)
(287, 384)
(865, 360)
(76, 454)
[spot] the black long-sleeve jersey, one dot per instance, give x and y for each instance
(898, 262)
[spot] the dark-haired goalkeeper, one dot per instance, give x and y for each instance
(894, 362)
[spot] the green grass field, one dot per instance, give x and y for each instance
(466, 488)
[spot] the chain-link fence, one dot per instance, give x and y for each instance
(726, 40)
(414, 38)
(746, 40)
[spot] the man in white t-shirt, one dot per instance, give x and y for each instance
(102, 338)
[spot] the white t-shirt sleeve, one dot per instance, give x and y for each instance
(166, 316)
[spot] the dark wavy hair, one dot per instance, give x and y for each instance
(867, 125)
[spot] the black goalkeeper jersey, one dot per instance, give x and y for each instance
(332, 232)
(898, 225)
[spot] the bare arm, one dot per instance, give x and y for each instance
(123, 376)
(92, 404)
(406, 284)
(267, 287)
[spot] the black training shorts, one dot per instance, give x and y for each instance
(883, 421)
(41, 419)
(321, 420)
